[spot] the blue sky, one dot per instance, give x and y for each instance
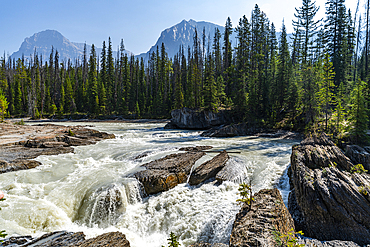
(138, 22)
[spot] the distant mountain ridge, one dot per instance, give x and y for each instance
(182, 34)
(42, 42)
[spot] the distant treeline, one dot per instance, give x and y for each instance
(319, 81)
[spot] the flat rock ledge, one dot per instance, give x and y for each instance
(187, 118)
(208, 245)
(209, 169)
(254, 226)
(19, 144)
(244, 129)
(63, 238)
(165, 173)
(327, 202)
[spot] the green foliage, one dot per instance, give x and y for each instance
(359, 168)
(172, 241)
(70, 133)
(3, 105)
(287, 240)
(245, 191)
(363, 190)
(53, 109)
(358, 114)
(19, 123)
(265, 82)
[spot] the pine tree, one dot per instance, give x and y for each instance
(3, 105)
(336, 37)
(69, 99)
(306, 24)
(227, 55)
(325, 93)
(93, 97)
(110, 83)
(284, 71)
(210, 90)
(242, 64)
(358, 114)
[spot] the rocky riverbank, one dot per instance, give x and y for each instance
(328, 200)
(221, 124)
(19, 144)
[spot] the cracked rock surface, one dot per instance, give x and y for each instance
(327, 202)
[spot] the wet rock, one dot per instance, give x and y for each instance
(231, 130)
(16, 241)
(318, 152)
(208, 169)
(196, 148)
(254, 227)
(19, 165)
(232, 171)
(110, 239)
(53, 239)
(20, 143)
(186, 118)
(64, 238)
(165, 173)
(328, 202)
(359, 155)
(309, 242)
(207, 245)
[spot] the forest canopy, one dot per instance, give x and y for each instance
(318, 79)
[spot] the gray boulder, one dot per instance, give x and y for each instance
(165, 173)
(254, 227)
(186, 118)
(209, 169)
(327, 202)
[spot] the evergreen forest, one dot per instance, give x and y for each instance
(316, 80)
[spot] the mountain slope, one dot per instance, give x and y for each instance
(43, 42)
(182, 34)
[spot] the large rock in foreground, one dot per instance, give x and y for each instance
(327, 202)
(165, 173)
(209, 169)
(110, 239)
(207, 245)
(254, 227)
(186, 118)
(63, 238)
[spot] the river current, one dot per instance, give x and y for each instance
(92, 190)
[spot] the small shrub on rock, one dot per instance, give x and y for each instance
(172, 241)
(359, 168)
(70, 133)
(287, 240)
(245, 191)
(363, 191)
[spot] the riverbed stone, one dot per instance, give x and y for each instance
(165, 173)
(327, 201)
(359, 155)
(254, 226)
(110, 239)
(209, 169)
(187, 118)
(64, 238)
(19, 144)
(208, 245)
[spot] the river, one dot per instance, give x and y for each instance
(92, 191)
